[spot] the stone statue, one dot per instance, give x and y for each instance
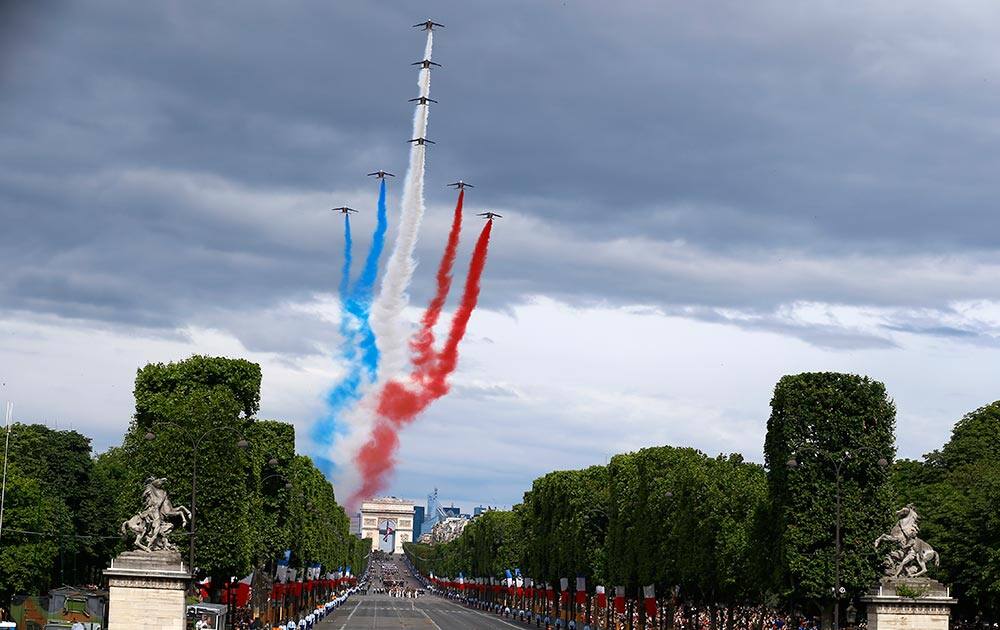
(911, 554)
(152, 526)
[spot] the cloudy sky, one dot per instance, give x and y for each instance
(698, 199)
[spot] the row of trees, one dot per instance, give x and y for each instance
(722, 532)
(57, 527)
(255, 496)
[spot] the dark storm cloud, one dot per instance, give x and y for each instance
(168, 162)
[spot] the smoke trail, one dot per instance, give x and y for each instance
(392, 299)
(361, 295)
(387, 311)
(422, 343)
(346, 390)
(355, 328)
(399, 404)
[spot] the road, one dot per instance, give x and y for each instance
(430, 612)
(381, 612)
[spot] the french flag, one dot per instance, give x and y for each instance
(649, 596)
(620, 600)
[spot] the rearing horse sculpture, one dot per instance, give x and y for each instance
(910, 548)
(152, 526)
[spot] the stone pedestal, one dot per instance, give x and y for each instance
(147, 591)
(909, 604)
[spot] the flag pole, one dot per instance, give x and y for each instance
(8, 412)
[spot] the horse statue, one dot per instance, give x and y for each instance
(152, 525)
(906, 528)
(910, 550)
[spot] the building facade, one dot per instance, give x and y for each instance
(418, 521)
(388, 522)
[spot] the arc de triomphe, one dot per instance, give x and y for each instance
(396, 513)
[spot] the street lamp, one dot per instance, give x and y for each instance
(196, 441)
(288, 483)
(838, 459)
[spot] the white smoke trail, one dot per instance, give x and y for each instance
(391, 334)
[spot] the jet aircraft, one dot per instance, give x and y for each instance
(425, 64)
(490, 215)
(380, 174)
(428, 25)
(343, 210)
(422, 100)
(459, 185)
(421, 141)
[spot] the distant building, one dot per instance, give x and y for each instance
(418, 521)
(387, 522)
(479, 509)
(452, 511)
(356, 525)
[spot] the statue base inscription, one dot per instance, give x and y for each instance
(147, 590)
(909, 604)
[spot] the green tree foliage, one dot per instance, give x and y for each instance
(270, 510)
(60, 463)
(956, 490)
(565, 522)
(852, 418)
(489, 545)
(317, 526)
(246, 516)
(663, 515)
(679, 518)
(197, 411)
(27, 560)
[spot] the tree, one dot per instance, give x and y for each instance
(60, 462)
(565, 521)
(34, 516)
(820, 419)
(196, 411)
(956, 490)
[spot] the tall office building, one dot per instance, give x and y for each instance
(418, 521)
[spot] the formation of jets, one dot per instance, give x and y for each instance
(380, 174)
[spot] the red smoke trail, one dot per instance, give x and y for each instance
(423, 341)
(399, 404)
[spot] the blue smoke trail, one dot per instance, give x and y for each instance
(347, 331)
(355, 329)
(361, 295)
(346, 390)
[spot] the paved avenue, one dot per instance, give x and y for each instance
(430, 612)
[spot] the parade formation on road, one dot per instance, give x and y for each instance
(371, 610)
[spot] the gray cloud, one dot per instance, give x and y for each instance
(166, 164)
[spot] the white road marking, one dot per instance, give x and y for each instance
(482, 614)
(433, 623)
(350, 615)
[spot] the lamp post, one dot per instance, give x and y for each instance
(196, 440)
(838, 459)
